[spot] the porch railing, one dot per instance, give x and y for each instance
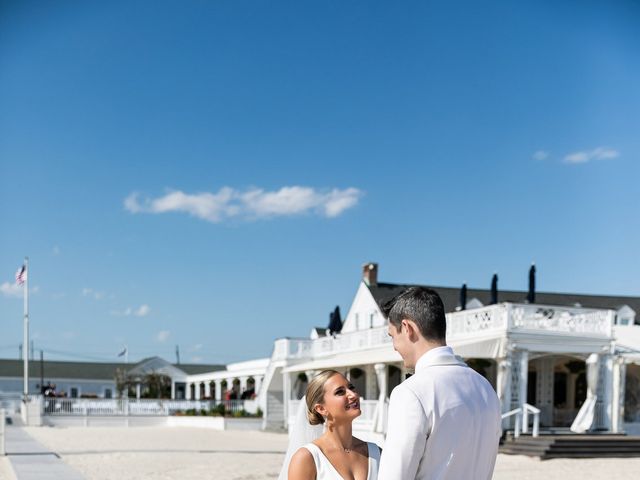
(492, 319)
(522, 419)
(125, 407)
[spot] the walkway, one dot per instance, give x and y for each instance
(31, 460)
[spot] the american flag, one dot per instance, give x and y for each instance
(123, 352)
(21, 275)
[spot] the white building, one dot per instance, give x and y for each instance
(94, 379)
(533, 354)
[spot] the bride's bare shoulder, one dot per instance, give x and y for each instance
(302, 466)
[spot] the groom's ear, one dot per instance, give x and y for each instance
(411, 328)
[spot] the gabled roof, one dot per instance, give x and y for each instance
(384, 292)
(89, 370)
(59, 369)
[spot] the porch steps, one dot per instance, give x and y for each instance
(275, 411)
(572, 446)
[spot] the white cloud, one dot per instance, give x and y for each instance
(197, 347)
(540, 155)
(196, 359)
(11, 290)
(162, 336)
(600, 153)
(89, 292)
(142, 311)
(56, 250)
(69, 335)
(251, 204)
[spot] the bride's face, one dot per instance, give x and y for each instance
(341, 401)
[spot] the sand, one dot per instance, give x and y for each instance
(193, 454)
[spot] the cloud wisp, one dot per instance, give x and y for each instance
(252, 204)
(11, 290)
(162, 336)
(142, 311)
(600, 153)
(540, 155)
(90, 292)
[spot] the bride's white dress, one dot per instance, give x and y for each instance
(326, 471)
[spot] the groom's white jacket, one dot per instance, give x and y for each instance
(443, 423)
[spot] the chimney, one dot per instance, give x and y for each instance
(370, 274)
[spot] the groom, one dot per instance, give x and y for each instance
(444, 421)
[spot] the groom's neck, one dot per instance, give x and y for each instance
(423, 346)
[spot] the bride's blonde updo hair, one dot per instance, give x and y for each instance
(315, 395)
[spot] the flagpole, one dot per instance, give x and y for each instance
(25, 348)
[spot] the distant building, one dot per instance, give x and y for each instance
(93, 379)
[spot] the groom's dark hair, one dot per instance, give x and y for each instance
(422, 305)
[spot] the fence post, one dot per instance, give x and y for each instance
(2, 426)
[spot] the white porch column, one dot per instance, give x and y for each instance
(544, 388)
(187, 391)
(258, 383)
(619, 381)
(380, 415)
(503, 386)
(219, 390)
(286, 396)
(173, 390)
(207, 388)
(524, 376)
(197, 391)
(604, 395)
(229, 384)
(372, 382)
(137, 391)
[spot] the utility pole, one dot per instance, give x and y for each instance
(177, 355)
(41, 371)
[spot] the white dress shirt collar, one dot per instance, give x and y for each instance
(437, 356)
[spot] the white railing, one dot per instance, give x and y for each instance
(526, 408)
(298, 348)
(125, 407)
(492, 319)
(547, 318)
(10, 402)
(522, 419)
(517, 413)
(477, 320)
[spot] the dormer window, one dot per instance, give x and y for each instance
(625, 315)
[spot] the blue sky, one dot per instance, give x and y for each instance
(212, 174)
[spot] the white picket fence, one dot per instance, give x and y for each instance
(126, 407)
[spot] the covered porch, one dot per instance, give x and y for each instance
(532, 354)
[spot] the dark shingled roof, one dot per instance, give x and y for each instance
(85, 370)
(384, 292)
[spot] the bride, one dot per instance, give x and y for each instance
(330, 400)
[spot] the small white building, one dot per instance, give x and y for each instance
(94, 379)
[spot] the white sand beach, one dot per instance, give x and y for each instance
(194, 454)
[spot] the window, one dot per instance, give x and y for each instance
(107, 393)
(74, 392)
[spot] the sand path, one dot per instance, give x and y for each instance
(195, 454)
